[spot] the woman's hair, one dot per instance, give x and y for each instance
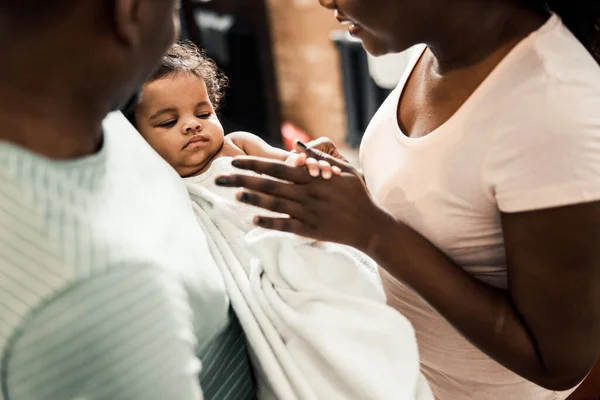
(186, 57)
(582, 17)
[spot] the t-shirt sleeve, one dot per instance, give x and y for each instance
(549, 156)
(124, 335)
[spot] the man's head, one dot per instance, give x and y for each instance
(101, 50)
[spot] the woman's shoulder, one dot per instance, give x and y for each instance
(563, 60)
(548, 80)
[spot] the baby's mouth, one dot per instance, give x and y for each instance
(196, 141)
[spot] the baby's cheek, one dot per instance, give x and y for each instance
(172, 154)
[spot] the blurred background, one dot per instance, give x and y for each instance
(294, 71)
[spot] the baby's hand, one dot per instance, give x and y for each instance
(315, 168)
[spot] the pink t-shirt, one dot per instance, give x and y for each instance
(527, 139)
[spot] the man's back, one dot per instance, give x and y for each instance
(102, 271)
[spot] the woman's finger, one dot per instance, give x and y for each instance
(272, 203)
(290, 225)
(326, 146)
(261, 185)
(273, 168)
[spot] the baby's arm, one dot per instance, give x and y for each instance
(252, 145)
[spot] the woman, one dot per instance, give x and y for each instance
(482, 197)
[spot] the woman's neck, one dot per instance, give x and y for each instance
(475, 32)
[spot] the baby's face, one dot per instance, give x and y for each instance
(177, 118)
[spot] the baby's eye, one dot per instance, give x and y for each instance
(204, 115)
(168, 124)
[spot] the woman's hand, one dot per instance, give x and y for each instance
(339, 210)
(325, 146)
(323, 149)
(315, 167)
(313, 155)
(545, 327)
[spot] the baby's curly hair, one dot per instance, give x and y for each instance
(186, 57)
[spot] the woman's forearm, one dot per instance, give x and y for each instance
(483, 314)
(546, 329)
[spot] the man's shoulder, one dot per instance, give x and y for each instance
(99, 329)
(31, 265)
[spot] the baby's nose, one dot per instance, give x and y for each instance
(193, 126)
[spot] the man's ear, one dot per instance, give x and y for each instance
(127, 21)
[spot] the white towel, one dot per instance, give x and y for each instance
(314, 314)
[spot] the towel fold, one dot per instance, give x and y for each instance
(314, 313)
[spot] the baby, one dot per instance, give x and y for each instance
(303, 290)
(177, 117)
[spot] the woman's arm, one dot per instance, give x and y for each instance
(545, 328)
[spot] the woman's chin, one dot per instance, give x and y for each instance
(375, 47)
(376, 52)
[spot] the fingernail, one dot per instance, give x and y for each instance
(244, 197)
(302, 145)
(222, 181)
(236, 163)
(260, 221)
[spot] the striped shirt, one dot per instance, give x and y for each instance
(107, 286)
